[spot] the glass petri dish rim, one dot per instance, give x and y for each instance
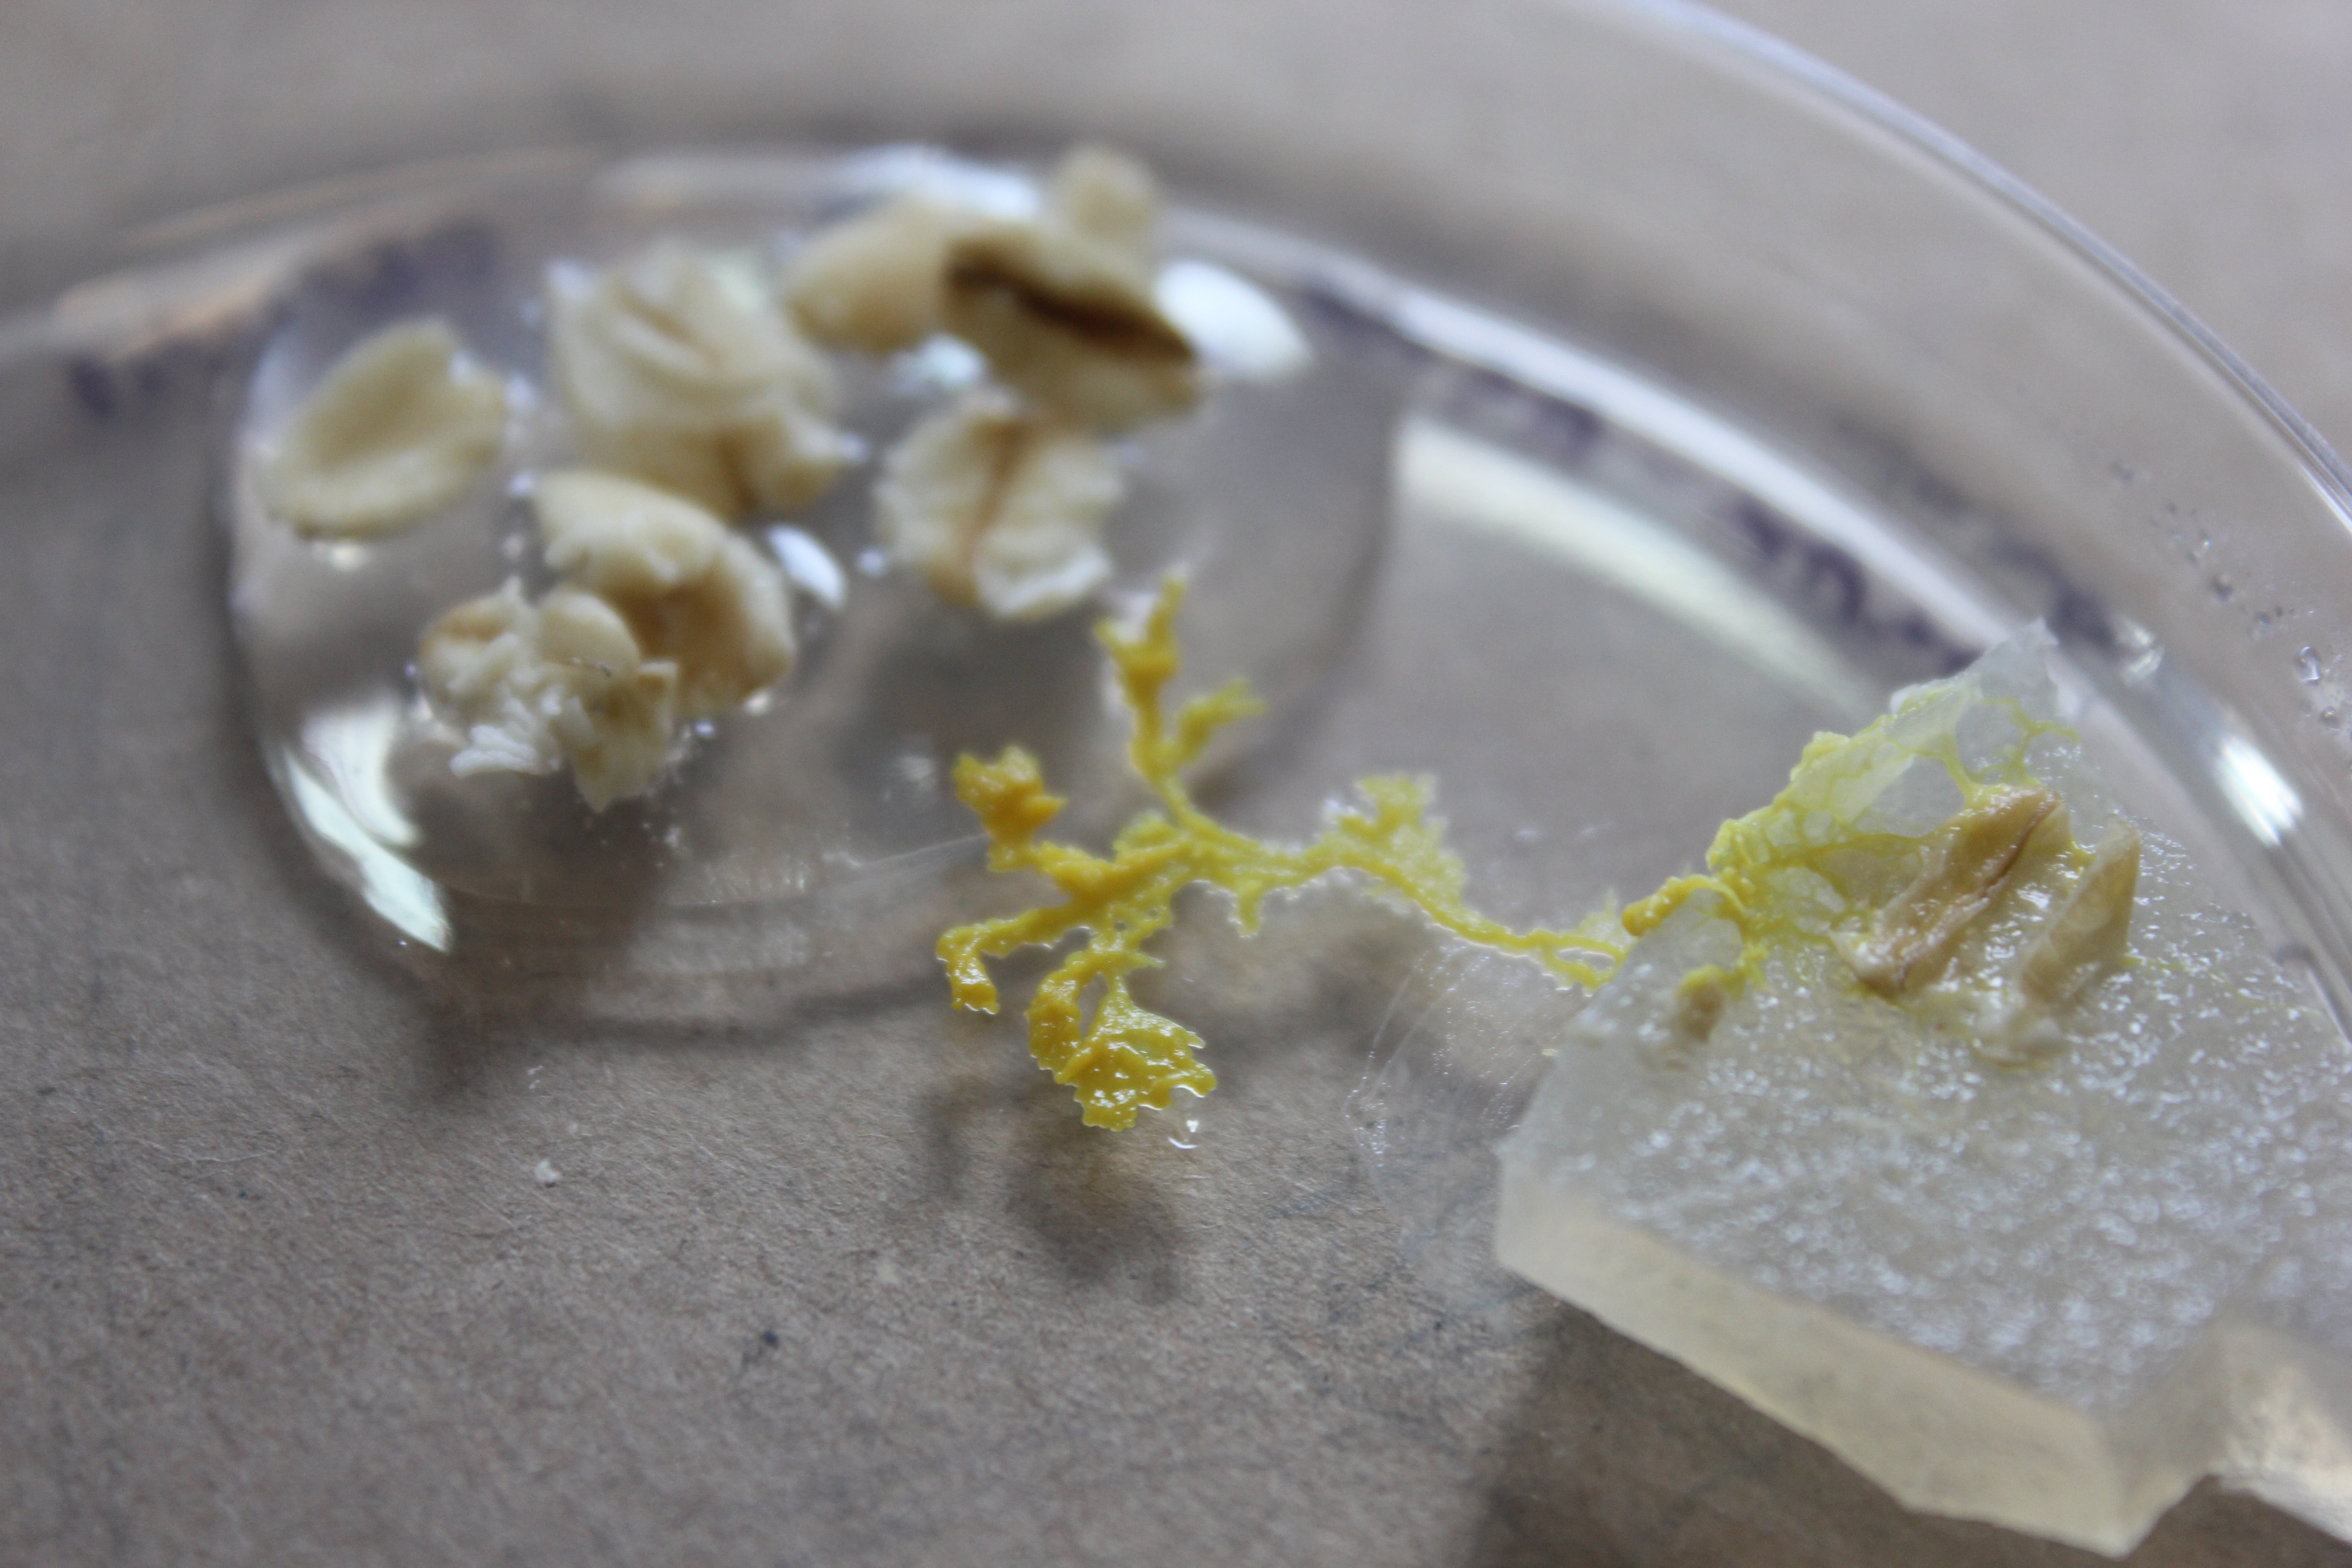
(1838, 89)
(47, 321)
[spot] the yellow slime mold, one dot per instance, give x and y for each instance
(1808, 868)
(1125, 1055)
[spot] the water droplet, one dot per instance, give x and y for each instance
(918, 768)
(2309, 661)
(2222, 588)
(2141, 664)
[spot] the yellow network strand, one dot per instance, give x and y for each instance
(1777, 870)
(1125, 1055)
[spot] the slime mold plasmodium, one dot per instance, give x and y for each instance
(1124, 1057)
(1825, 864)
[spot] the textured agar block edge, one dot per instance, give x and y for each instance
(2262, 1411)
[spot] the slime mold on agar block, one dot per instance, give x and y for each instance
(2050, 1296)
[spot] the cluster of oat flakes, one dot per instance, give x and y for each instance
(697, 394)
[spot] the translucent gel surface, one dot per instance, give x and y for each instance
(1273, 495)
(2015, 1293)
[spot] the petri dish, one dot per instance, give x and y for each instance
(1706, 397)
